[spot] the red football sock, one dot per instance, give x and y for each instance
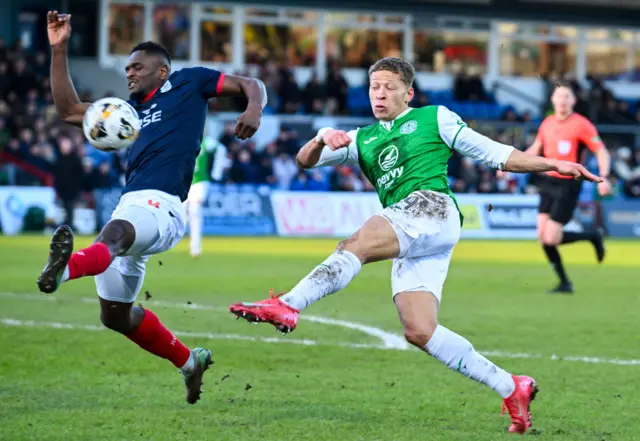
(91, 261)
(153, 337)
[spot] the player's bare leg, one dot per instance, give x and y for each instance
(115, 238)
(145, 329)
(138, 324)
(418, 311)
(376, 240)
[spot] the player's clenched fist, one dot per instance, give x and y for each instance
(578, 171)
(248, 123)
(58, 28)
(336, 139)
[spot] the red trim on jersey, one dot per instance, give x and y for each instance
(220, 84)
(149, 96)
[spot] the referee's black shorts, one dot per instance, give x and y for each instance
(558, 197)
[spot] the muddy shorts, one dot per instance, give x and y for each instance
(427, 224)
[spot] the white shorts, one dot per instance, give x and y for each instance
(159, 219)
(198, 192)
(427, 224)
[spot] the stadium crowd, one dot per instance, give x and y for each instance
(36, 148)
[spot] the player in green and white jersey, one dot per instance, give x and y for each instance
(405, 157)
(200, 188)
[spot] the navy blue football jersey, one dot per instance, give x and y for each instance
(173, 119)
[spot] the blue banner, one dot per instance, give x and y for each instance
(622, 218)
(511, 216)
(237, 210)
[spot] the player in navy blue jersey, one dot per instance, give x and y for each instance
(149, 218)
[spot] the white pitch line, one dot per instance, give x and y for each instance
(212, 336)
(554, 357)
(206, 335)
(389, 341)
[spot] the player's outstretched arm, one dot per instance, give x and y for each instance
(329, 147)
(68, 105)
(455, 133)
(520, 162)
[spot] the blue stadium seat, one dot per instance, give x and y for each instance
(495, 112)
(358, 100)
(467, 110)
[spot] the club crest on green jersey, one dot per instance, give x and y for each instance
(388, 158)
(409, 127)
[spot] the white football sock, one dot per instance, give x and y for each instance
(189, 365)
(65, 275)
(458, 354)
(195, 223)
(330, 276)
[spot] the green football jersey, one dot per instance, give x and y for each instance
(405, 155)
(411, 152)
(201, 172)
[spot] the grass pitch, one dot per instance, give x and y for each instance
(63, 378)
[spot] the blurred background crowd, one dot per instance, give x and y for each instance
(38, 149)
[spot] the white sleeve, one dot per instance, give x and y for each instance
(347, 155)
(455, 133)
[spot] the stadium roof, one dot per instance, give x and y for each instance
(593, 12)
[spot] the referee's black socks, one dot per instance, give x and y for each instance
(571, 237)
(556, 261)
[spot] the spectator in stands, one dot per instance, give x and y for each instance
(469, 175)
(68, 173)
(23, 79)
(244, 170)
(420, 98)
(97, 176)
(337, 88)
(511, 116)
(265, 164)
(628, 170)
(288, 141)
(314, 96)
(29, 128)
(468, 86)
(290, 95)
(41, 66)
(270, 76)
(311, 180)
(284, 170)
(487, 182)
(345, 179)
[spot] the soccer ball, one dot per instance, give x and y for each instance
(111, 124)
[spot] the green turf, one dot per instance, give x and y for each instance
(70, 384)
